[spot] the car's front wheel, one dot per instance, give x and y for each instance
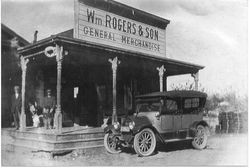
(111, 143)
(201, 137)
(145, 142)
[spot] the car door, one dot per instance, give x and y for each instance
(167, 122)
(198, 114)
(167, 115)
(177, 118)
(189, 112)
(186, 121)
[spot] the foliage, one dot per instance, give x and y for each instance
(215, 100)
(233, 102)
(187, 86)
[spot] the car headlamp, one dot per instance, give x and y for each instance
(157, 114)
(131, 125)
(116, 125)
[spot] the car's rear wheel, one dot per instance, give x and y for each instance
(111, 143)
(200, 139)
(145, 142)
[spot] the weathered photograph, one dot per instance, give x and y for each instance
(124, 83)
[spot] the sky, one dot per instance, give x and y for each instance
(212, 33)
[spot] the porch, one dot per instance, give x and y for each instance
(110, 78)
(39, 139)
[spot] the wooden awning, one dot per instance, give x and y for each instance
(98, 54)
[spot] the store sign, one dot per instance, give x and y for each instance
(102, 27)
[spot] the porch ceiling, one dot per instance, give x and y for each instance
(93, 54)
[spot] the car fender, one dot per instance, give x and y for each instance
(203, 123)
(158, 136)
(110, 129)
(142, 123)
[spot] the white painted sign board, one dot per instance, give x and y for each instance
(102, 27)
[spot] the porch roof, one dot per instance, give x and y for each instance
(73, 45)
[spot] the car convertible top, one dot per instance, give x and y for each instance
(174, 94)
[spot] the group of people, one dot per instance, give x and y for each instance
(41, 116)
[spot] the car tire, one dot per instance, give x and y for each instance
(201, 138)
(111, 143)
(145, 142)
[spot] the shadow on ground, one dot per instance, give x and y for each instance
(174, 146)
(169, 147)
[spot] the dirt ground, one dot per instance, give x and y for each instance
(222, 150)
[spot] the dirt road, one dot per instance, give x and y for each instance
(222, 150)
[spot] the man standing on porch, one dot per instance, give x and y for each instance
(48, 109)
(16, 104)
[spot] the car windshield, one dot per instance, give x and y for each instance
(148, 106)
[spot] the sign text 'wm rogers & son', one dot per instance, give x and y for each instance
(102, 27)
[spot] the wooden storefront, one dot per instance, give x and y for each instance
(96, 69)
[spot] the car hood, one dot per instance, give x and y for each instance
(140, 119)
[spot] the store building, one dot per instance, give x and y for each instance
(113, 53)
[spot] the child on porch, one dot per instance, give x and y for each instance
(48, 110)
(47, 117)
(33, 107)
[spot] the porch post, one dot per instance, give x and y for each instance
(196, 80)
(166, 83)
(114, 63)
(161, 74)
(58, 113)
(23, 116)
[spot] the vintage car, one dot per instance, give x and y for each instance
(160, 117)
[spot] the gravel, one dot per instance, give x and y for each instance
(222, 150)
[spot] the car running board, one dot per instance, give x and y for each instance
(177, 139)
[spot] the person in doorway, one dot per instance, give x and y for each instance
(16, 104)
(48, 109)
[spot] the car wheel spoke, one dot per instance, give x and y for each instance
(149, 145)
(195, 140)
(112, 143)
(200, 136)
(146, 147)
(141, 145)
(145, 142)
(142, 148)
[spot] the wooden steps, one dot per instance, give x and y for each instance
(37, 140)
